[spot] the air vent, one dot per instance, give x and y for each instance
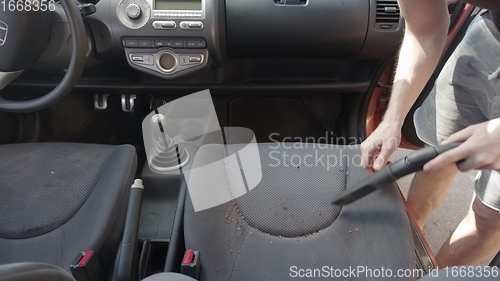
(387, 11)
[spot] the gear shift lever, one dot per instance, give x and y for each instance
(167, 155)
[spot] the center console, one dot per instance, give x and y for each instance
(165, 38)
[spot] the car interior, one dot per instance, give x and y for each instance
(82, 197)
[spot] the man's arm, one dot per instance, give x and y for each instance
(427, 23)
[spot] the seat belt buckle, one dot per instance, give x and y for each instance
(85, 267)
(191, 264)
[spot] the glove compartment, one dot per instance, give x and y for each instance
(296, 28)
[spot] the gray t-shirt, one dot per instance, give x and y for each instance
(466, 93)
(495, 17)
(492, 5)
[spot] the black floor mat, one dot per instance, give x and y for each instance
(275, 119)
(114, 127)
(74, 119)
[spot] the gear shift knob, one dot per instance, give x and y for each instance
(167, 155)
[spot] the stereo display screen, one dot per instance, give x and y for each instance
(184, 5)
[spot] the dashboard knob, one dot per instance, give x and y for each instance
(133, 11)
(167, 62)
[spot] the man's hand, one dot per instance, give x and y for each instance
(379, 146)
(480, 150)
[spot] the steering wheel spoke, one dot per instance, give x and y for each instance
(7, 77)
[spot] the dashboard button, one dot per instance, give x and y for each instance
(168, 24)
(178, 43)
(142, 59)
(167, 62)
(191, 44)
(145, 43)
(190, 59)
(131, 43)
(195, 59)
(133, 11)
(169, 43)
(137, 58)
(164, 25)
(159, 43)
(201, 44)
(195, 25)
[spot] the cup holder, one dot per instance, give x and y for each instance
(153, 257)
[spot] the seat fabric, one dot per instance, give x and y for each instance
(168, 276)
(33, 271)
(59, 199)
(247, 239)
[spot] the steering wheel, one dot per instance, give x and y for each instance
(23, 37)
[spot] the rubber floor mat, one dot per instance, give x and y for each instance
(276, 120)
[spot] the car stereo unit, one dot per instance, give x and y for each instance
(137, 13)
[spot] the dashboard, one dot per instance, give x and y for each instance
(174, 39)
